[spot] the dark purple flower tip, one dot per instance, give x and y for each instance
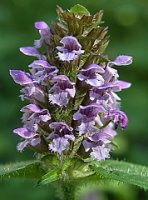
(91, 75)
(25, 133)
(31, 51)
(21, 77)
(88, 113)
(119, 118)
(71, 49)
(122, 60)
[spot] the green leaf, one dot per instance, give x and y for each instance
(27, 169)
(79, 169)
(50, 177)
(78, 9)
(50, 162)
(123, 172)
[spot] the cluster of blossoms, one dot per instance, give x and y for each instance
(54, 120)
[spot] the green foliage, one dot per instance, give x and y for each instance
(79, 174)
(79, 169)
(50, 177)
(79, 9)
(27, 169)
(74, 168)
(122, 172)
(121, 191)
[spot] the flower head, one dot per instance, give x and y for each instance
(74, 107)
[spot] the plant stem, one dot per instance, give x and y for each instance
(67, 190)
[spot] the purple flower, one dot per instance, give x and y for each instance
(62, 90)
(110, 74)
(42, 71)
(118, 118)
(122, 60)
(101, 152)
(30, 136)
(91, 75)
(33, 114)
(21, 77)
(87, 116)
(91, 101)
(99, 144)
(123, 85)
(33, 92)
(61, 137)
(88, 113)
(86, 128)
(71, 49)
(45, 33)
(31, 51)
(25, 133)
(106, 95)
(115, 86)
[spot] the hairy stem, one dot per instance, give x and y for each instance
(67, 190)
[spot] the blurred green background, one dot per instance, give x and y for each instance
(128, 28)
